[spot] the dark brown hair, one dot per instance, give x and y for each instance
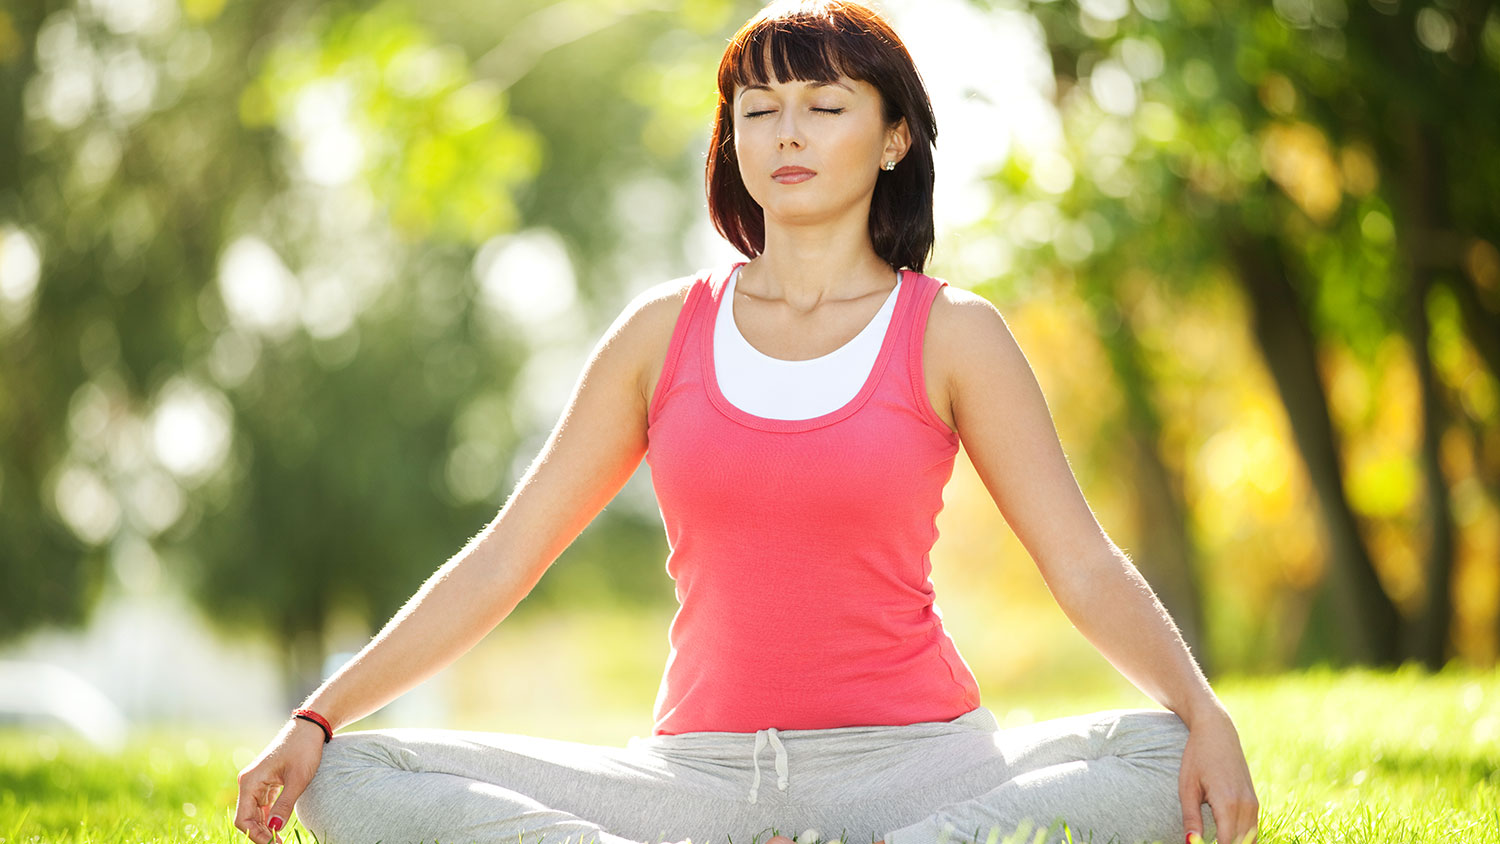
(817, 41)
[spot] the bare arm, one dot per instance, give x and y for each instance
(1003, 421)
(593, 450)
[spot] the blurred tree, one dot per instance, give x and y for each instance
(312, 283)
(1302, 149)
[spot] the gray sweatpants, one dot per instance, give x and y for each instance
(1112, 775)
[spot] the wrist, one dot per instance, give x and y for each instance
(306, 729)
(1204, 708)
(315, 720)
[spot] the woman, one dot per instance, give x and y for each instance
(801, 412)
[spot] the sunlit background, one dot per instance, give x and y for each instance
(291, 295)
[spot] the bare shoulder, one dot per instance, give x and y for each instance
(969, 317)
(664, 300)
(967, 344)
(1009, 435)
(646, 325)
(958, 305)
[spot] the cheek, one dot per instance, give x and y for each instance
(745, 155)
(741, 148)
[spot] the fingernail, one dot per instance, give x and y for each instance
(275, 824)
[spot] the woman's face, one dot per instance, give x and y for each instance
(834, 129)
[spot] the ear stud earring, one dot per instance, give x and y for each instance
(889, 165)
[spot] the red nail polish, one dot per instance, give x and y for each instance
(275, 824)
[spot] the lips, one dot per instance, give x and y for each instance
(789, 175)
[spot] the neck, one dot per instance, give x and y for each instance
(804, 268)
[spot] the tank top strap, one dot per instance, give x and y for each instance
(717, 278)
(925, 291)
(708, 288)
(689, 330)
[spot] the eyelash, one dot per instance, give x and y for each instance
(824, 110)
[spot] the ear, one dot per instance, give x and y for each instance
(897, 141)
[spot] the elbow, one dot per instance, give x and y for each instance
(1082, 580)
(495, 574)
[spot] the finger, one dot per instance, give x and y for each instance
(1243, 824)
(1232, 828)
(254, 830)
(255, 798)
(1253, 834)
(1190, 792)
(282, 809)
(247, 805)
(1228, 828)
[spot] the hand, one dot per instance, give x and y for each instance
(1214, 771)
(271, 784)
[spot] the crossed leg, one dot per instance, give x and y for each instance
(1112, 775)
(405, 786)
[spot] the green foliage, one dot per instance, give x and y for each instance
(284, 250)
(1334, 162)
(436, 144)
(1296, 122)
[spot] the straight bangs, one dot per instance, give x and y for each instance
(793, 54)
(820, 41)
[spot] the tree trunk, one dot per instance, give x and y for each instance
(1429, 641)
(1368, 621)
(1423, 180)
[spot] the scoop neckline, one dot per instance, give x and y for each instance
(872, 379)
(732, 282)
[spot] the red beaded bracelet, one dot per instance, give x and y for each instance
(309, 715)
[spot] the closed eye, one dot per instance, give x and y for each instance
(824, 110)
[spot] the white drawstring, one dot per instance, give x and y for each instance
(781, 768)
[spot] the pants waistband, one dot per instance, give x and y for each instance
(718, 745)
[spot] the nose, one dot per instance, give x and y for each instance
(786, 130)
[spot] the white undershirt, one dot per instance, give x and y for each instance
(793, 389)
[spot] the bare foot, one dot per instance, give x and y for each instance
(780, 839)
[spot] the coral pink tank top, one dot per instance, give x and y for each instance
(799, 547)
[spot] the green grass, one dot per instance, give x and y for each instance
(1351, 757)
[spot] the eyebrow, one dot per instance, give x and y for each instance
(748, 88)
